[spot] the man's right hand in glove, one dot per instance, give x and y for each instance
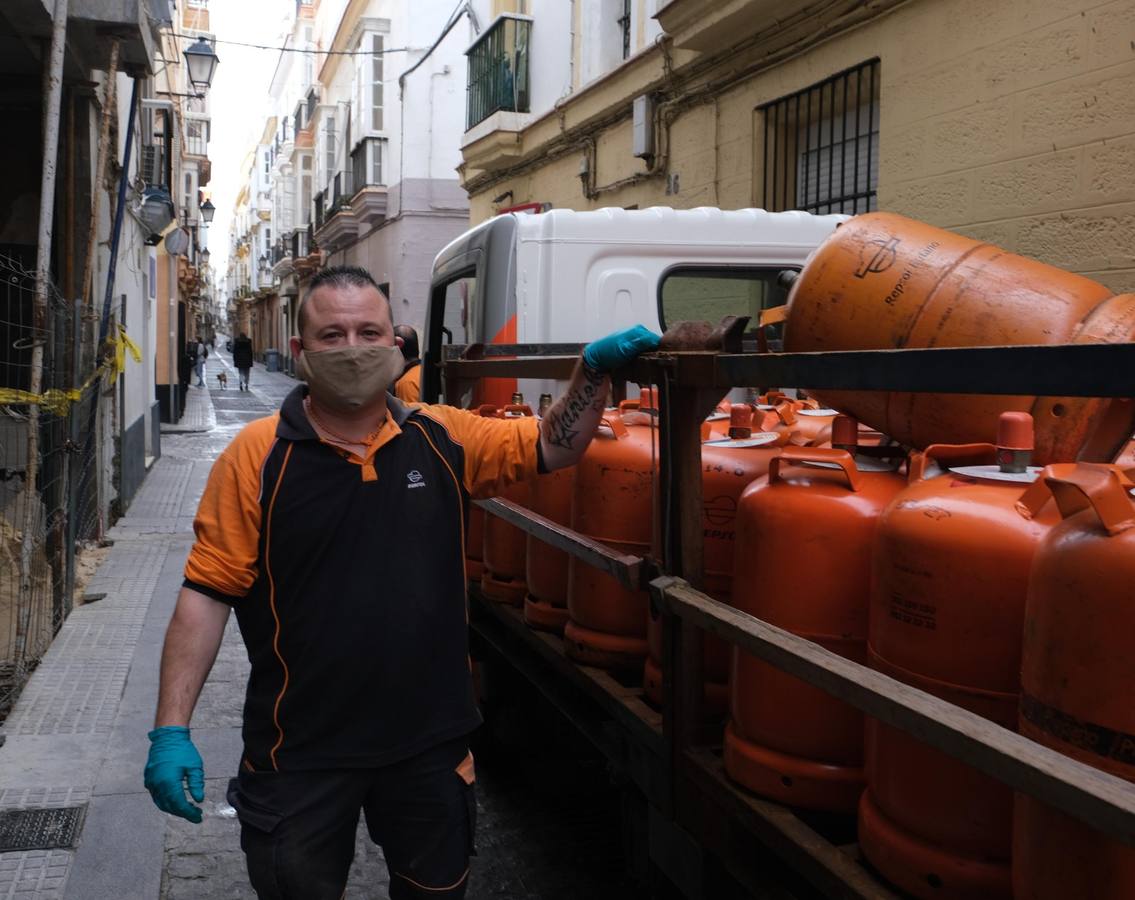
(173, 764)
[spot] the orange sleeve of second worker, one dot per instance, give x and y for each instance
(498, 452)
(224, 557)
(408, 388)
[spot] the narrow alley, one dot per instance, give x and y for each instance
(77, 736)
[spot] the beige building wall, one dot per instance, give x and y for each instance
(1009, 120)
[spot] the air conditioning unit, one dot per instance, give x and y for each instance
(153, 166)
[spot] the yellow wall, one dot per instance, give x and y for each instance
(1008, 120)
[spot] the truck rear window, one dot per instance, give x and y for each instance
(710, 294)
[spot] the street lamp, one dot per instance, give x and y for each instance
(204, 254)
(207, 210)
(201, 62)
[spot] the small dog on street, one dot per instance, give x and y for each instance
(223, 380)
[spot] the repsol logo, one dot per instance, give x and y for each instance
(919, 261)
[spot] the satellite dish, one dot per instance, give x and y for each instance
(177, 242)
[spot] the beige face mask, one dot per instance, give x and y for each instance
(346, 379)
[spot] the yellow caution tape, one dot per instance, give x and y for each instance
(58, 400)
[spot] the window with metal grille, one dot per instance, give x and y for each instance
(821, 145)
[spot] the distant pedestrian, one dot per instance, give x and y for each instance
(408, 387)
(242, 358)
(201, 354)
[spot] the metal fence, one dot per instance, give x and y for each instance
(43, 518)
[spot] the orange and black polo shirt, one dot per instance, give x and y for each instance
(347, 576)
(408, 388)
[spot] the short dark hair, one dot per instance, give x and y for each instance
(336, 277)
(409, 340)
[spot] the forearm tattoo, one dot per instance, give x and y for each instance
(561, 424)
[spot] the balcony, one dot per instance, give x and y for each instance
(339, 224)
(708, 25)
(498, 70)
(306, 257)
(368, 202)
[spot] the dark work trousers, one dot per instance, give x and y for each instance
(298, 828)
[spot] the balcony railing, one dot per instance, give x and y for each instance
(498, 70)
(280, 250)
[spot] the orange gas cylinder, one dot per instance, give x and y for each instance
(951, 568)
(1126, 458)
(505, 545)
(728, 466)
(1077, 671)
(883, 281)
(545, 607)
(612, 504)
(475, 533)
(786, 739)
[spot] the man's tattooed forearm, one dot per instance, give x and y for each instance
(564, 416)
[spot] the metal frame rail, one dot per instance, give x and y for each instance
(691, 775)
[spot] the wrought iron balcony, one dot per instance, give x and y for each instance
(498, 70)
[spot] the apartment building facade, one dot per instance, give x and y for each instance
(1010, 121)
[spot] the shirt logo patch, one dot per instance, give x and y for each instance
(414, 479)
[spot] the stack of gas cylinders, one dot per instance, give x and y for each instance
(978, 548)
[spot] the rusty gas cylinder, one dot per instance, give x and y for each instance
(882, 281)
(786, 739)
(505, 545)
(612, 503)
(1078, 670)
(728, 466)
(951, 568)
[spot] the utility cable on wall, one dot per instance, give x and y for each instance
(186, 37)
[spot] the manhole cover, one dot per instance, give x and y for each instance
(40, 829)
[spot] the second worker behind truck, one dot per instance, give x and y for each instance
(360, 695)
(408, 387)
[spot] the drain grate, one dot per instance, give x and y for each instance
(40, 829)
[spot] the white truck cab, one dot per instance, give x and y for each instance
(569, 277)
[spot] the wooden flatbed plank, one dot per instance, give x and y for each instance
(826, 867)
(627, 569)
(1105, 802)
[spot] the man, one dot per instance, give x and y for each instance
(242, 359)
(408, 387)
(360, 694)
(202, 354)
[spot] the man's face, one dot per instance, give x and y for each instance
(345, 317)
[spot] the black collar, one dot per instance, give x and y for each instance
(294, 424)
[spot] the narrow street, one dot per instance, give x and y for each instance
(548, 823)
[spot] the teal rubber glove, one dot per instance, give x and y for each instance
(173, 763)
(618, 349)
